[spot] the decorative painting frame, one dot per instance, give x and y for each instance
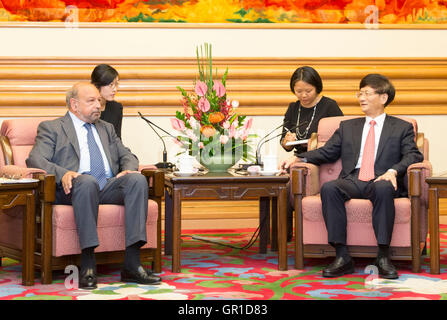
(356, 14)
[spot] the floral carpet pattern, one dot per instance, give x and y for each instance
(215, 272)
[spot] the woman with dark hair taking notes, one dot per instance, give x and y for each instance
(106, 79)
(302, 117)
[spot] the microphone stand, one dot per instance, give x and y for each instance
(258, 157)
(258, 162)
(244, 166)
(165, 164)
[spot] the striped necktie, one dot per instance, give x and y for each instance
(97, 168)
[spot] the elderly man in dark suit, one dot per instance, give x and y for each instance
(93, 167)
(375, 152)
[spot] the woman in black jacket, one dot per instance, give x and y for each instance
(302, 117)
(106, 79)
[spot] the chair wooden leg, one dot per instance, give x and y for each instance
(47, 244)
(157, 253)
(299, 247)
(264, 223)
(274, 219)
(168, 222)
(416, 265)
(157, 261)
(415, 200)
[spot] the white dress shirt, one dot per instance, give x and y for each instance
(377, 132)
(81, 133)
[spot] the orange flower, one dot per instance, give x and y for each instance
(216, 117)
(207, 130)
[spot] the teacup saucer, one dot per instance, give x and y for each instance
(184, 174)
(269, 173)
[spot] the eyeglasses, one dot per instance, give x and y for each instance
(114, 85)
(365, 93)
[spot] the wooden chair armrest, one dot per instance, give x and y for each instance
(417, 172)
(7, 150)
(155, 180)
(47, 189)
(298, 180)
(141, 167)
(17, 172)
(309, 176)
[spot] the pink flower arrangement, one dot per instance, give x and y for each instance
(201, 88)
(177, 124)
(208, 123)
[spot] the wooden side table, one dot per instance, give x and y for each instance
(223, 186)
(437, 188)
(23, 194)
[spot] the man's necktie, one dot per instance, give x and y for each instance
(97, 169)
(366, 172)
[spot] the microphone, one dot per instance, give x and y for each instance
(244, 166)
(258, 157)
(260, 143)
(165, 164)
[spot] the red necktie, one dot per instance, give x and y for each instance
(366, 172)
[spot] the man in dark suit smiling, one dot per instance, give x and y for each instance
(375, 152)
(93, 167)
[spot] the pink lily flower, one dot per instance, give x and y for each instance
(177, 124)
(232, 133)
(194, 123)
(219, 88)
(201, 88)
(248, 124)
(224, 139)
(204, 104)
(191, 135)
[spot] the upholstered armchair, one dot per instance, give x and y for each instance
(57, 243)
(410, 229)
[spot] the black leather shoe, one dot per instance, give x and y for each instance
(139, 276)
(338, 268)
(88, 280)
(386, 268)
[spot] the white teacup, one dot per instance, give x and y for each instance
(270, 163)
(185, 163)
(253, 170)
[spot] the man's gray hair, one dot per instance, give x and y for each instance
(73, 92)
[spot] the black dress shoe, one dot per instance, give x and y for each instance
(139, 276)
(338, 268)
(386, 268)
(88, 280)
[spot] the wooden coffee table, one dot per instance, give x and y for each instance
(437, 188)
(223, 186)
(23, 194)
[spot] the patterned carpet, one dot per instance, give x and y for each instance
(215, 272)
